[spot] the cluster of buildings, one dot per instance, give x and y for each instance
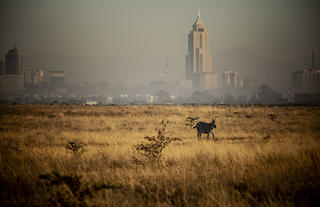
(199, 77)
(199, 71)
(308, 80)
(14, 78)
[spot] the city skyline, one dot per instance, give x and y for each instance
(120, 41)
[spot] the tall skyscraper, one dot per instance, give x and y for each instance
(14, 61)
(12, 78)
(199, 60)
(2, 67)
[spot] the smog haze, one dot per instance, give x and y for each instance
(128, 41)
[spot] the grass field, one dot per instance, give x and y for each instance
(262, 156)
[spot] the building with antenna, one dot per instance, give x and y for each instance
(307, 80)
(12, 79)
(14, 61)
(198, 60)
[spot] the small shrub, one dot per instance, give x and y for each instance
(76, 146)
(272, 116)
(152, 149)
(191, 121)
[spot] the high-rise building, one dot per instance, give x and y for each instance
(11, 79)
(198, 60)
(14, 61)
(307, 80)
(231, 79)
(2, 67)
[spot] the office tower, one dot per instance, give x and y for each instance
(198, 60)
(14, 61)
(2, 67)
(307, 80)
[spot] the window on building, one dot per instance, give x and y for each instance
(197, 60)
(200, 40)
(201, 63)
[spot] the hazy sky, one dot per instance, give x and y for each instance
(129, 40)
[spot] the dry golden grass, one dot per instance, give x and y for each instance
(257, 159)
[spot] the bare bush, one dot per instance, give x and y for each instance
(152, 149)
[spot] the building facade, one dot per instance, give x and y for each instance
(307, 80)
(11, 83)
(198, 60)
(14, 61)
(32, 78)
(57, 79)
(11, 79)
(2, 67)
(231, 79)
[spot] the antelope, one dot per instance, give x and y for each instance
(206, 128)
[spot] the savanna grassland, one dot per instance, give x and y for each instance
(87, 156)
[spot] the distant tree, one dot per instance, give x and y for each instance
(267, 96)
(229, 99)
(242, 99)
(264, 89)
(163, 96)
(196, 97)
(253, 99)
(138, 101)
(206, 98)
(179, 100)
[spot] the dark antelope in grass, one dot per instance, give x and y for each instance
(206, 128)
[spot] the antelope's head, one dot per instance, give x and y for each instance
(214, 123)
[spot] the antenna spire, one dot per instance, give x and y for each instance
(198, 12)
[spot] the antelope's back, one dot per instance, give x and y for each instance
(204, 127)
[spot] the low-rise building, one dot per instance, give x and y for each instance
(11, 83)
(231, 79)
(32, 78)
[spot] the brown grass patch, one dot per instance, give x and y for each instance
(263, 156)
